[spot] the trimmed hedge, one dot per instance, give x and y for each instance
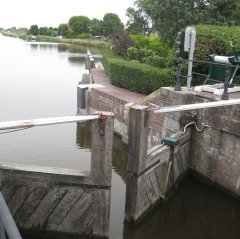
(135, 76)
(215, 40)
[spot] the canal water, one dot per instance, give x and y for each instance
(39, 80)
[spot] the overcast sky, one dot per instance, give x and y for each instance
(24, 13)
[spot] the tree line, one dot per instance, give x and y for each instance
(168, 17)
(82, 27)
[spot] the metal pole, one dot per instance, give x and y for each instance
(226, 83)
(178, 77)
(190, 60)
(178, 108)
(7, 220)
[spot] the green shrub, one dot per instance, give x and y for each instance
(152, 43)
(136, 77)
(84, 36)
(149, 50)
(214, 40)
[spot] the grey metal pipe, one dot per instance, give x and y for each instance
(8, 221)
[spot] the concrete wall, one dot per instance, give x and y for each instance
(64, 200)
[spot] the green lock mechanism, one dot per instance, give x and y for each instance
(171, 141)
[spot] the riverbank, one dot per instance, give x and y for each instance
(81, 42)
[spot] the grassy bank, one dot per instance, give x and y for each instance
(82, 42)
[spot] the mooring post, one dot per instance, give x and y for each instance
(102, 142)
(137, 155)
(101, 171)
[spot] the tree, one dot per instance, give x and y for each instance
(137, 23)
(121, 41)
(63, 29)
(79, 25)
(111, 23)
(171, 16)
(96, 27)
(33, 30)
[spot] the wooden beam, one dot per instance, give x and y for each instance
(206, 105)
(45, 121)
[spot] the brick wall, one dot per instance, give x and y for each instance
(215, 153)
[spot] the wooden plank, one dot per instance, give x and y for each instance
(17, 200)
(80, 218)
(175, 167)
(64, 207)
(160, 178)
(180, 163)
(8, 191)
(142, 200)
(178, 108)
(29, 205)
(154, 183)
(148, 189)
(46, 206)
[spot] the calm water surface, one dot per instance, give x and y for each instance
(39, 80)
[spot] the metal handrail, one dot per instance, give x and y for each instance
(7, 220)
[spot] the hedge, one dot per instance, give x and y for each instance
(215, 40)
(135, 76)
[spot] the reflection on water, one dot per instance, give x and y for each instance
(120, 158)
(83, 135)
(76, 60)
(196, 211)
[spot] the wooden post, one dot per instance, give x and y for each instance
(137, 156)
(138, 137)
(102, 142)
(101, 171)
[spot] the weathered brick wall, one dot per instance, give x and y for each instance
(161, 125)
(215, 152)
(102, 101)
(164, 125)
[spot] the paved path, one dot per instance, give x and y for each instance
(99, 76)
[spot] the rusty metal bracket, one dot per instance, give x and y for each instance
(103, 119)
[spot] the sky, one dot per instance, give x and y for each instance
(24, 13)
